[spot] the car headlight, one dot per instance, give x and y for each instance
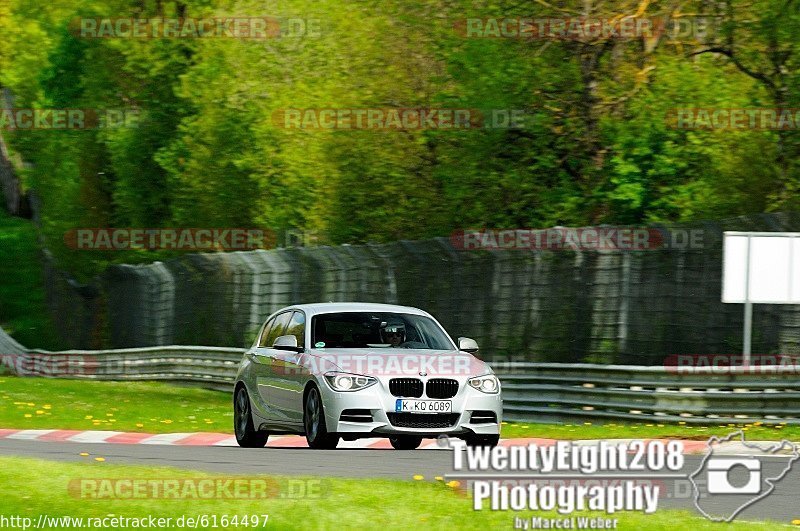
(344, 381)
(487, 384)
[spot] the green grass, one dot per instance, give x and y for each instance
(147, 407)
(23, 313)
(647, 431)
(153, 407)
(32, 487)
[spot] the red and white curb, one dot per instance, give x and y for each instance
(182, 439)
(295, 441)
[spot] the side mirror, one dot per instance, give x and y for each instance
(467, 345)
(287, 343)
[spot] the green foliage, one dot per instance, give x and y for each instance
(596, 145)
(23, 312)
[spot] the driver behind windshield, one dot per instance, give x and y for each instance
(394, 333)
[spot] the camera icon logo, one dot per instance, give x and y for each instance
(719, 472)
(730, 477)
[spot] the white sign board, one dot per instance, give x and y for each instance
(761, 267)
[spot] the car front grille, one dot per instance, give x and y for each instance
(441, 388)
(423, 420)
(406, 387)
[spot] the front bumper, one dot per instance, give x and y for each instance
(381, 403)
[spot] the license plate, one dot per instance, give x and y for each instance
(423, 406)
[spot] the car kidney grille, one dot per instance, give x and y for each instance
(441, 388)
(406, 387)
(423, 420)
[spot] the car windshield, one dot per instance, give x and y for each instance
(377, 330)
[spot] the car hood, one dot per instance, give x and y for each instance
(397, 362)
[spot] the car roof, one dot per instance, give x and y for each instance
(333, 307)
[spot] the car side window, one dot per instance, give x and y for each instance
(262, 340)
(297, 328)
(277, 329)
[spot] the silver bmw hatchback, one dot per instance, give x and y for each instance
(353, 370)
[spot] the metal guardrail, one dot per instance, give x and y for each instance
(550, 392)
(532, 392)
(209, 367)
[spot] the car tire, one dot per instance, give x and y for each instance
(475, 441)
(246, 434)
(405, 442)
(314, 421)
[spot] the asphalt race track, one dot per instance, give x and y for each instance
(233, 460)
(780, 505)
